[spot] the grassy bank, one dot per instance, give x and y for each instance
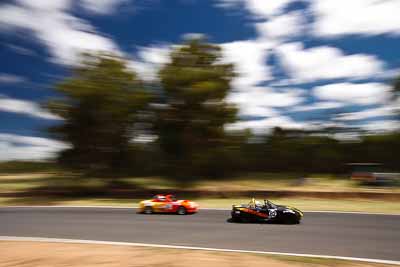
(267, 181)
(305, 204)
(14, 183)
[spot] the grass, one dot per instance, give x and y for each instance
(305, 204)
(26, 167)
(26, 182)
(316, 182)
(55, 180)
(312, 204)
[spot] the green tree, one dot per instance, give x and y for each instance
(191, 125)
(396, 86)
(396, 95)
(99, 104)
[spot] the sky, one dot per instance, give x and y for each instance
(299, 63)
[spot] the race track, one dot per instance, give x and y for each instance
(335, 234)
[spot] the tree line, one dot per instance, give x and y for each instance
(117, 124)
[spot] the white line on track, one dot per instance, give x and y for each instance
(79, 241)
(222, 209)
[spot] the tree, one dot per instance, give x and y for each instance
(99, 105)
(396, 95)
(396, 86)
(191, 126)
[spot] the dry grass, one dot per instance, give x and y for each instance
(305, 204)
(320, 183)
(23, 182)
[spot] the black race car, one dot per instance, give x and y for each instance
(256, 211)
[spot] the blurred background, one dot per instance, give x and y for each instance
(216, 95)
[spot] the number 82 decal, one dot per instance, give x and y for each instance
(272, 213)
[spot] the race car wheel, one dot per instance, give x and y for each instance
(181, 210)
(148, 210)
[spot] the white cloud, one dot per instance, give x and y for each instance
(25, 107)
(150, 60)
(66, 43)
(325, 62)
(155, 54)
(264, 96)
(46, 5)
(257, 111)
(266, 8)
(65, 35)
(17, 147)
(261, 8)
(360, 94)
(102, 6)
(30, 140)
(265, 125)
(281, 27)
(11, 78)
(250, 59)
(368, 113)
(261, 101)
(301, 65)
(388, 74)
(381, 126)
(318, 106)
(276, 24)
(367, 17)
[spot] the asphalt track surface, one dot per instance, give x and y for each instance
(335, 234)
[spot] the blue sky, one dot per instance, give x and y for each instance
(299, 62)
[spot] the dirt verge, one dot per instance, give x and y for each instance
(35, 254)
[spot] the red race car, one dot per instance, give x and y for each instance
(167, 204)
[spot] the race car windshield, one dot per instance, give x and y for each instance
(271, 205)
(160, 198)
